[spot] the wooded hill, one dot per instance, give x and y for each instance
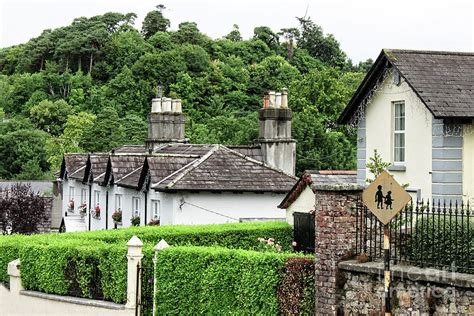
(88, 87)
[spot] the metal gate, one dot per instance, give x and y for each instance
(304, 232)
(145, 290)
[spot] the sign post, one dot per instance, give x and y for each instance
(385, 198)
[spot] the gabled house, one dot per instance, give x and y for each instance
(416, 108)
(301, 197)
(174, 182)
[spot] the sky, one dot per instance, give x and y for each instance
(363, 27)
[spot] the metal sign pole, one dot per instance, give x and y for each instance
(387, 276)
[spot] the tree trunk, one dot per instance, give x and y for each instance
(41, 65)
(90, 63)
(79, 63)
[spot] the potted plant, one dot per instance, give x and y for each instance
(135, 220)
(154, 222)
(83, 209)
(96, 213)
(70, 206)
(117, 216)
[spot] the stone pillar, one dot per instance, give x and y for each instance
(335, 240)
(158, 247)
(15, 277)
(134, 257)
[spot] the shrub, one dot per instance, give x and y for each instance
(238, 235)
(215, 280)
(296, 292)
(442, 241)
(76, 269)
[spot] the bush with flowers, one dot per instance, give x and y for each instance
(96, 212)
(83, 209)
(117, 216)
(268, 245)
(70, 206)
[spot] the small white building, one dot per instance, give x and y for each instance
(301, 197)
(173, 182)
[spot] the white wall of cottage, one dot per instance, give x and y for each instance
(174, 208)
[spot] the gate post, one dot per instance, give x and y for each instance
(335, 225)
(158, 247)
(134, 258)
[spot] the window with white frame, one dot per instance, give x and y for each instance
(83, 196)
(71, 193)
(118, 202)
(136, 206)
(96, 198)
(155, 209)
(399, 132)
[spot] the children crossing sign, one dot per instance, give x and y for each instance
(385, 198)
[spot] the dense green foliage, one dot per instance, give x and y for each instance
(217, 281)
(451, 237)
(242, 235)
(87, 87)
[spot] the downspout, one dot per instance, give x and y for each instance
(107, 209)
(146, 205)
(90, 204)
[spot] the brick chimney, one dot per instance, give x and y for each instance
(166, 123)
(278, 148)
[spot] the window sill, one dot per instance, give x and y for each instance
(397, 168)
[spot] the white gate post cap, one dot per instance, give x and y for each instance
(14, 268)
(135, 246)
(161, 245)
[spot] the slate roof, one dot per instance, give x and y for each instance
(131, 179)
(127, 149)
(224, 169)
(314, 178)
(72, 163)
(122, 165)
(444, 81)
(99, 166)
(161, 166)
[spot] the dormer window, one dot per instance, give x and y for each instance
(399, 132)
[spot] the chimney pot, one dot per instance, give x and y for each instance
(173, 105)
(156, 105)
(179, 108)
(272, 98)
(284, 98)
(278, 99)
(266, 101)
(166, 105)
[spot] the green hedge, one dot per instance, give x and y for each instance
(76, 268)
(215, 280)
(443, 242)
(238, 235)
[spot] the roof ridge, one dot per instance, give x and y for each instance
(428, 52)
(174, 173)
(194, 165)
(77, 171)
(258, 162)
(129, 174)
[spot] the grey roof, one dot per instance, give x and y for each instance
(127, 149)
(444, 81)
(223, 169)
(316, 178)
(99, 166)
(72, 163)
(123, 165)
(36, 186)
(332, 177)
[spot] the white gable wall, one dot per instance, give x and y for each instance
(418, 134)
(226, 207)
(468, 164)
(303, 204)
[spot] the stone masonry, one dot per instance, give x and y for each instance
(335, 241)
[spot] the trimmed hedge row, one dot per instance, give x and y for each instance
(215, 280)
(98, 270)
(93, 264)
(238, 235)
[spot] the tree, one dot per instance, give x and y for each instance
(155, 22)
(234, 35)
(22, 211)
(50, 116)
(134, 128)
(189, 33)
(105, 134)
(266, 35)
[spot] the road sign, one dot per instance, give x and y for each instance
(385, 198)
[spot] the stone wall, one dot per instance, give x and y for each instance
(414, 291)
(335, 241)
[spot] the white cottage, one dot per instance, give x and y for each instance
(417, 109)
(173, 182)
